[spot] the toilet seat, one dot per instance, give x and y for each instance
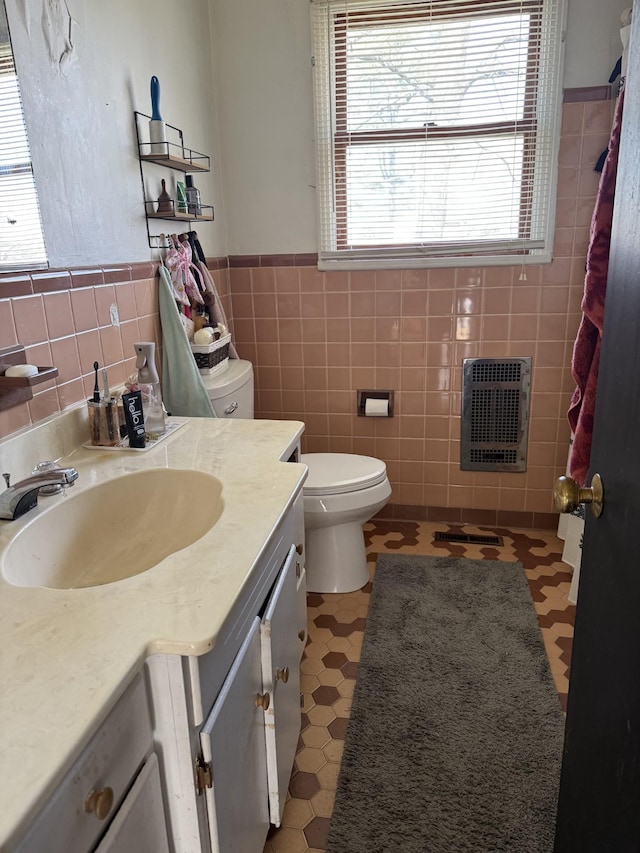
(341, 473)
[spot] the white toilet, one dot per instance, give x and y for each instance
(341, 493)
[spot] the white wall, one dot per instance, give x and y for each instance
(262, 60)
(593, 41)
(262, 55)
(80, 121)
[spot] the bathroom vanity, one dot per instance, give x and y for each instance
(160, 712)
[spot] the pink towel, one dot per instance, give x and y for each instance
(586, 350)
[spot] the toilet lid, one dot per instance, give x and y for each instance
(339, 473)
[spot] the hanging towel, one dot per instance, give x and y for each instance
(214, 303)
(180, 268)
(586, 350)
(183, 390)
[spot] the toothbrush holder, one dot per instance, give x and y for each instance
(104, 428)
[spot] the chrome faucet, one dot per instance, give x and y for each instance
(23, 495)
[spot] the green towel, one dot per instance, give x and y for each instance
(183, 390)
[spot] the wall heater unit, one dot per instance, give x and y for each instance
(495, 414)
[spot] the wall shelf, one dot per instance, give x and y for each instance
(175, 156)
(177, 215)
(18, 389)
(193, 163)
(8, 383)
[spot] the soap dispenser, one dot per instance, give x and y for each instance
(149, 385)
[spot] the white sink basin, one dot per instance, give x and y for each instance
(113, 530)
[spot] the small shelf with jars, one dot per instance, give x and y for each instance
(175, 155)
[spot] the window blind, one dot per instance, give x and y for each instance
(437, 130)
(21, 239)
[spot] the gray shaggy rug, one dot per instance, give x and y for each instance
(455, 739)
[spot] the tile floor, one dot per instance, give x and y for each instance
(336, 625)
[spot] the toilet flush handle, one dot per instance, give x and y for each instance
(231, 409)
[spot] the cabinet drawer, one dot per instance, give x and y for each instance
(110, 760)
(139, 826)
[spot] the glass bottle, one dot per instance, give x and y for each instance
(194, 206)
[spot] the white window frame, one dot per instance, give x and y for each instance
(22, 245)
(548, 105)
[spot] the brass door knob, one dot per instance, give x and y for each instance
(282, 674)
(263, 700)
(99, 803)
(568, 495)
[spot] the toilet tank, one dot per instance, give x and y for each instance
(231, 392)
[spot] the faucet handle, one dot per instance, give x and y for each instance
(7, 479)
(47, 465)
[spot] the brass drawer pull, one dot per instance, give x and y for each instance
(282, 674)
(263, 701)
(99, 803)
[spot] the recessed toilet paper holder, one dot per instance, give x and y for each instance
(363, 395)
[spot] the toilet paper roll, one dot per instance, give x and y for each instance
(374, 408)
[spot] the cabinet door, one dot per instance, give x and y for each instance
(232, 741)
(301, 574)
(281, 679)
(301, 605)
(139, 826)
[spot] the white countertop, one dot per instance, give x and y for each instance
(65, 655)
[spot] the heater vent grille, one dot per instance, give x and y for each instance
(495, 414)
(493, 457)
(495, 371)
(469, 538)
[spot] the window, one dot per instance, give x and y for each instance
(437, 130)
(21, 239)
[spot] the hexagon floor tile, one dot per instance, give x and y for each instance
(336, 624)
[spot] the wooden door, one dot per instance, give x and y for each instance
(599, 805)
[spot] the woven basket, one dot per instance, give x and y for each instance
(213, 358)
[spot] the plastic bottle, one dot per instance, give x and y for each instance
(181, 196)
(194, 206)
(149, 385)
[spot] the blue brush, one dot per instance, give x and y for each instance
(157, 132)
(155, 99)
